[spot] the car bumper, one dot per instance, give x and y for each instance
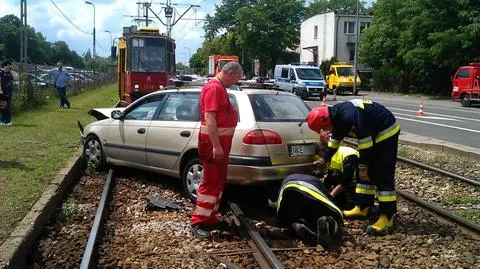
(250, 175)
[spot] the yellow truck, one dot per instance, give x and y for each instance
(340, 78)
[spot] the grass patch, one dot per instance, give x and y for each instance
(37, 147)
(70, 211)
(472, 215)
(460, 200)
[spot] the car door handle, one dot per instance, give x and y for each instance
(141, 130)
(185, 133)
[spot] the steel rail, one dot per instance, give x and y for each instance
(97, 228)
(440, 211)
(262, 252)
(430, 168)
(440, 171)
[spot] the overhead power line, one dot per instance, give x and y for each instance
(65, 16)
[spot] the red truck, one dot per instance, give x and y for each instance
(216, 62)
(465, 84)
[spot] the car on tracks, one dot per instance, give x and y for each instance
(159, 133)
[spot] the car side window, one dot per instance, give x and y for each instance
(234, 103)
(181, 107)
(146, 109)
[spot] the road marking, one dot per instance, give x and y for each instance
(439, 124)
(427, 117)
(436, 114)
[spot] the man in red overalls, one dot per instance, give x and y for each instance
(219, 119)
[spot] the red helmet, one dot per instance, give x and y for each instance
(318, 118)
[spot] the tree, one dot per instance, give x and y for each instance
(422, 42)
(224, 18)
(348, 7)
(198, 62)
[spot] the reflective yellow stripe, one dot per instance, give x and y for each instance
(332, 143)
(310, 189)
(337, 159)
(221, 131)
(358, 103)
(389, 132)
(365, 143)
(387, 196)
(207, 198)
(365, 189)
(203, 211)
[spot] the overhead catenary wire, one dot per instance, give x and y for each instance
(65, 16)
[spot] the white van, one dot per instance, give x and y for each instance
(300, 79)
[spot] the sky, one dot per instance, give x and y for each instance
(110, 15)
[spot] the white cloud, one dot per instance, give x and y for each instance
(45, 18)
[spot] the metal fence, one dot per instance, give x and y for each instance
(35, 85)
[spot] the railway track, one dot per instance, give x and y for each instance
(137, 237)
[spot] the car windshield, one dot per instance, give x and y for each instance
(278, 108)
(345, 71)
(148, 54)
(309, 73)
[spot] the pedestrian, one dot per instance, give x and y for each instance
(342, 174)
(377, 132)
(6, 78)
(305, 207)
(61, 80)
(218, 121)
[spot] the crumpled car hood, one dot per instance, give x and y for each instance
(103, 113)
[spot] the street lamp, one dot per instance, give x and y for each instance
(111, 39)
(90, 3)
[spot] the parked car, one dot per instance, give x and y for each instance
(159, 132)
(33, 80)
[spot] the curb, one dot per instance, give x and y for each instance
(14, 251)
(439, 146)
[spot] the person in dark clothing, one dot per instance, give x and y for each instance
(377, 132)
(6, 79)
(305, 207)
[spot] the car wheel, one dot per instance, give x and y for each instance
(466, 100)
(93, 152)
(192, 175)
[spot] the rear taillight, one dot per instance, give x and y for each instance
(262, 137)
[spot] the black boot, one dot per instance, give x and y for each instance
(327, 228)
(303, 232)
(197, 231)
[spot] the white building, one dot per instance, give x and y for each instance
(330, 35)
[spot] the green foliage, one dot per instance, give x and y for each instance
(325, 65)
(348, 7)
(421, 43)
(261, 29)
(198, 62)
(183, 68)
(70, 211)
(40, 51)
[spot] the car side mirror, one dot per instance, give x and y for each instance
(117, 115)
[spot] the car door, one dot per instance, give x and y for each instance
(126, 137)
(170, 132)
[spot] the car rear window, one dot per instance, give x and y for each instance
(278, 108)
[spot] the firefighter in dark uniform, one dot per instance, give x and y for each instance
(377, 132)
(342, 174)
(306, 207)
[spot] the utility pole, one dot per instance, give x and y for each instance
(23, 34)
(357, 30)
(93, 5)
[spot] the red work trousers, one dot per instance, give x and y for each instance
(210, 191)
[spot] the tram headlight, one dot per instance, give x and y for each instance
(136, 87)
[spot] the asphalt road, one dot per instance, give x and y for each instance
(445, 120)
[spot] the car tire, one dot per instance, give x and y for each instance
(93, 153)
(192, 175)
(466, 100)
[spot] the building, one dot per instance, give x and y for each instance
(330, 35)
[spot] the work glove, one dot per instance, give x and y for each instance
(320, 162)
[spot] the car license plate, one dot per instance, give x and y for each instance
(301, 150)
(315, 93)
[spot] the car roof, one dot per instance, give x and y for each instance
(233, 91)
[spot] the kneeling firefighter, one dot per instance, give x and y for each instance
(377, 132)
(305, 207)
(342, 174)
